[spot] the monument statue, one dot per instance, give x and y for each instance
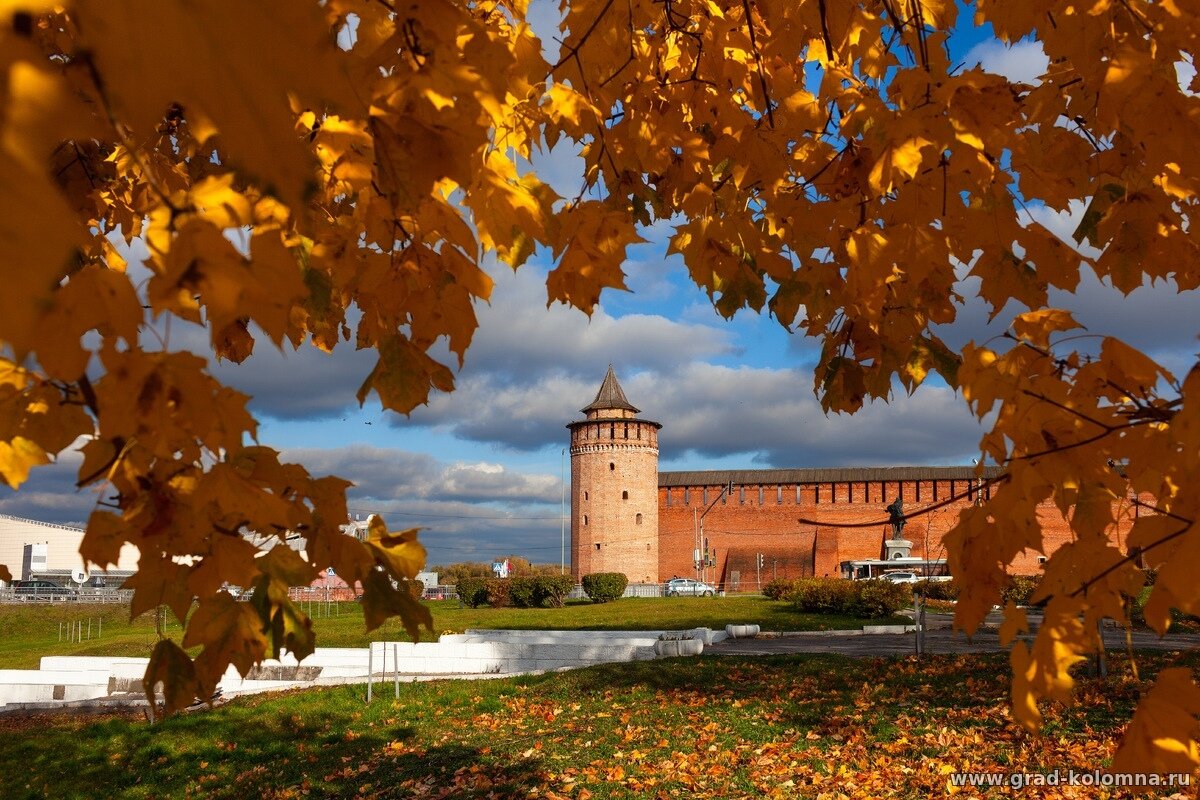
(896, 518)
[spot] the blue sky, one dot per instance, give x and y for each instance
(480, 468)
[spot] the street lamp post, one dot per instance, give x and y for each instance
(698, 522)
(562, 479)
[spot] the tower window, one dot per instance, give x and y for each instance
(778, 495)
(597, 545)
(626, 430)
(624, 495)
(638, 431)
(741, 494)
(760, 495)
(612, 430)
(585, 495)
(686, 495)
(585, 519)
(611, 466)
(638, 518)
(668, 496)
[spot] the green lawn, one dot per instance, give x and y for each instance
(28, 631)
(798, 726)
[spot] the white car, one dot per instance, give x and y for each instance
(901, 577)
(678, 587)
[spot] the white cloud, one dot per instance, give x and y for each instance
(1022, 62)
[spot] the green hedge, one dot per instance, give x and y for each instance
(880, 598)
(869, 598)
(1019, 590)
(779, 589)
(602, 587)
(537, 591)
(553, 589)
(533, 591)
(497, 592)
(472, 591)
(937, 590)
(823, 595)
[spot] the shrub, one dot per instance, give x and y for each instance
(822, 595)
(497, 592)
(779, 589)
(870, 598)
(1020, 590)
(551, 590)
(522, 592)
(471, 591)
(936, 590)
(604, 586)
(880, 598)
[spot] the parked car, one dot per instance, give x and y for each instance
(902, 577)
(679, 587)
(36, 589)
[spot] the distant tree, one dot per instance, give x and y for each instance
(451, 574)
(824, 162)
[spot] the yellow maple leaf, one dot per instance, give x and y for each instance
(17, 456)
(268, 50)
(897, 163)
(1162, 735)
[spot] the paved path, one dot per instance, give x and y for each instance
(938, 640)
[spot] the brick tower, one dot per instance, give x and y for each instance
(614, 488)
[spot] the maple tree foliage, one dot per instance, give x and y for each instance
(822, 162)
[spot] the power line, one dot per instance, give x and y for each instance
(451, 516)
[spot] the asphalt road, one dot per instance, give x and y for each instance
(940, 639)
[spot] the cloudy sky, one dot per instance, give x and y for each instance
(481, 470)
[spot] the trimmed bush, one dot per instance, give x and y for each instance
(1020, 590)
(471, 591)
(779, 589)
(823, 595)
(522, 592)
(497, 592)
(602, 587)
(553, 589)
(936, 590)
(870, 598)
(880, 598)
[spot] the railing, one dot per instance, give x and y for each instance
(64, 595)
(632, 590)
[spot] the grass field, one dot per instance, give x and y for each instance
(798, 726)
(29, 631)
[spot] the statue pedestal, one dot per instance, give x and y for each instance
(896, 548)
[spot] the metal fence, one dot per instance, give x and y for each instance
(632, 590)
(40, 595)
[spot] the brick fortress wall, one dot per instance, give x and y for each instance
(762, 517)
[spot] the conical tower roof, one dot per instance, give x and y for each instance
(610, 396)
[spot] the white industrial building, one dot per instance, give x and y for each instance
(35, 550)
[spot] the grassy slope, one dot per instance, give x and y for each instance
(28, 631)
(796, 726)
